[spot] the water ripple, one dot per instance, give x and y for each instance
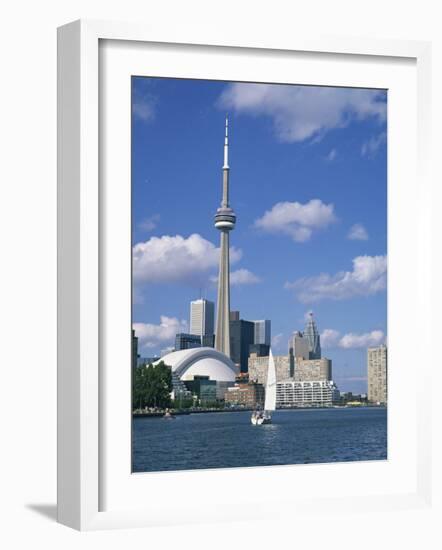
(223, 440)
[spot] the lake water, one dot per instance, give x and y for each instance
(224, 440)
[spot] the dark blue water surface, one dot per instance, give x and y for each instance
(228, 439)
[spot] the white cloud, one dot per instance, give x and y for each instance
(371, 147)
(304, 112)
(143, 110)
(143, 107)
(177, 259)
(357, 233)
(152, 336)
(149, 224)
(329, 338)
(137, 296)
(243, 277)
(373, 338)
(369, 276)
(332, 339)
(240, 277)
(297, 220)
(331, 155)
(143, 101)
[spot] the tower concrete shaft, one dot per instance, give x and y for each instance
(222, 338)
(225, 220)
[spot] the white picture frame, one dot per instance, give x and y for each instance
(81, 471)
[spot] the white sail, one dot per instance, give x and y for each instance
(270, 395)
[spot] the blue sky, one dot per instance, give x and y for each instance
(308, 184)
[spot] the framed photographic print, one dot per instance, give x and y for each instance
(225, 217)
(304, 159)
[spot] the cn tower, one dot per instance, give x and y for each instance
(224, 221)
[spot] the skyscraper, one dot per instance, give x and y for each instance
(262, 332)
(377, 374)
(242, 335)
(187, 341)
(202, 318)
(312, 335)
(134, 350)
(225, 220)
(299, 346)
(260, 350)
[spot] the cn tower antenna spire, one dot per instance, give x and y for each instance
(225, 220)
(226, 145)
(225, 199)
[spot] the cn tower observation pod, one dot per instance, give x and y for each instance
(225, 218)
(204, 361)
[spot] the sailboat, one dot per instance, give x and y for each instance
(265, 417)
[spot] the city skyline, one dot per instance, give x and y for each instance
(294, 190)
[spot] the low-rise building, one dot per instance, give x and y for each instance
(203, 388)
(309, 393)
(221, 389)
(249, 395)
(179, 389)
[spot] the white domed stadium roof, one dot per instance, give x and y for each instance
(188, 363)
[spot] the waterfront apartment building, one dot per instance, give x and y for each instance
(249, 395)
(202, 320)
(377, 374)
(258, 367)
(312, 369)
(262, 332)
(309, 393)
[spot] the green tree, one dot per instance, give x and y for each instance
(152, 385)
(138, 387)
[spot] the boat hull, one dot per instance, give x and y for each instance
(260, 420)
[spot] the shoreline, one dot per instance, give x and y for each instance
(160, 414)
